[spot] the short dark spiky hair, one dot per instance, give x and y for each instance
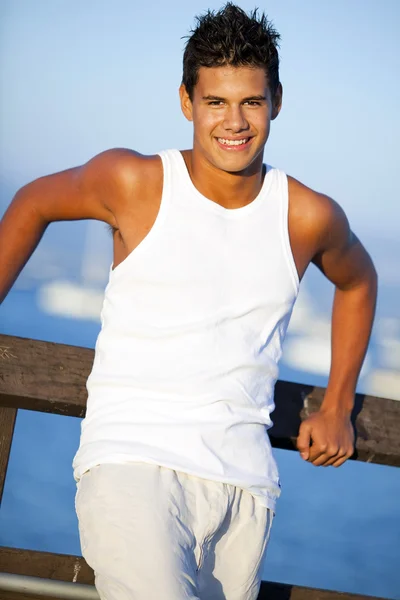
(231, 37)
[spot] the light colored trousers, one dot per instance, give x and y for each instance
(152, 533)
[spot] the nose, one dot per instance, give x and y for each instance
(235, 119)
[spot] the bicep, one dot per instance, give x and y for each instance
(90, 191)
(341, 257)
(65, 196)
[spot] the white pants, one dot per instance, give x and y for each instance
(151, 533)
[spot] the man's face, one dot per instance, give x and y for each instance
(231, 112)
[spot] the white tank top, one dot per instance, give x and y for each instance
(192, 328)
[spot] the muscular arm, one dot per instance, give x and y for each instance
(323, 236)
(92, 191)
(345, 262)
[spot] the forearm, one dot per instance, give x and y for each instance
(352, 319)
(21, 229)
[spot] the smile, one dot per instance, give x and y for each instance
(231, 144)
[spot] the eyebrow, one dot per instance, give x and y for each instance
(219, 99)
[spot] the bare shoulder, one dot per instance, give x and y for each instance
(98, 189)
(124, 180)
(315, 216)
(320, 233)
(125, 169)
(125, 160)
(317, 224)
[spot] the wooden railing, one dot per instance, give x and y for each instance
(48, 377)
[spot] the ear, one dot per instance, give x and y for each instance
(277, 102)
(186, 103)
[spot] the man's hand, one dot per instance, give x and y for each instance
(326, 438)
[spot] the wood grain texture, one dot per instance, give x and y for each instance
(376, 421)
(7, 424)
(44, 376)
(46, 565)
(52, 378)
(74, 568)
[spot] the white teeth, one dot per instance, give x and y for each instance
(232, 142)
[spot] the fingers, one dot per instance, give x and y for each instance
(304, 440)
(321, 454)
(324, 441)
(331, 457)
(343, 459)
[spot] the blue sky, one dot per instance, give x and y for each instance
(79, 77)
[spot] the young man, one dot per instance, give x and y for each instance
(176, 481)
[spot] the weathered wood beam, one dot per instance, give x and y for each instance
(7, 424)
(52, 378)
(44, 376)
(376, 421)
(74, 569)
(62, 567)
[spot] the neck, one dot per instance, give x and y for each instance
(230, 190)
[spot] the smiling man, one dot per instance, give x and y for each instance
(177, 484)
